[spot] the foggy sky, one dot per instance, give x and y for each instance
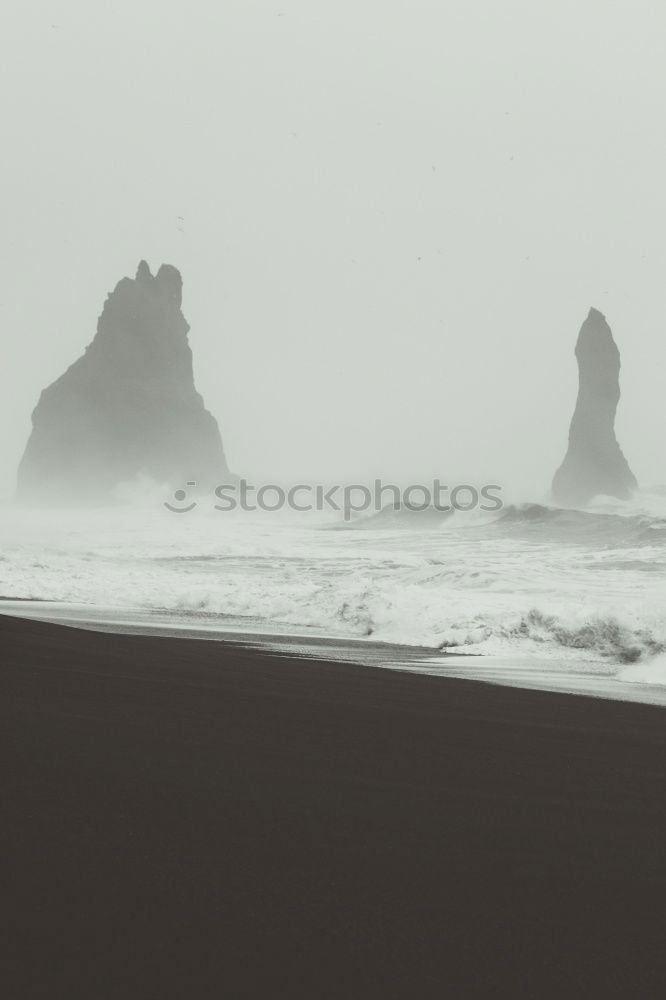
(395, 217)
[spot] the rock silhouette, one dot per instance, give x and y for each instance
(127, 407)
(594, 463)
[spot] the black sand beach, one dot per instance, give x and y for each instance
(201, 819)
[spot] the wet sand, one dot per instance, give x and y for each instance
(197, 819)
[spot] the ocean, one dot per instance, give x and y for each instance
(532, 595)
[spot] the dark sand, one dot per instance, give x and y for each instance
(198, 819)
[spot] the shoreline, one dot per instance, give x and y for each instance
(197, 819)
(558, 674)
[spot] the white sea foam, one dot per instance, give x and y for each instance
(532, 581)
(649, 671)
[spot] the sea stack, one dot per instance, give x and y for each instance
(594, 463)
(127, 408)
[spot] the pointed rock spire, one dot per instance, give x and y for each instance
(127, 407)
(594, 463)
(143, 271)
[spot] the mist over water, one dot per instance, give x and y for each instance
(587, 586)
(390, 225)
(390, 219)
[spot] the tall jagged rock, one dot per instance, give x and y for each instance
(594, 463)
(127, 407)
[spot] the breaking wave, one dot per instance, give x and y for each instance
(571, 525)
(603, 636)
(537, 579)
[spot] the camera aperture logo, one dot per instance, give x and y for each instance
(350, 500)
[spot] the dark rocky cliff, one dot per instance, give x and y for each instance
(594, 463)
(127, 407)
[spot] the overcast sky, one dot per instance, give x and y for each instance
(395, 217)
